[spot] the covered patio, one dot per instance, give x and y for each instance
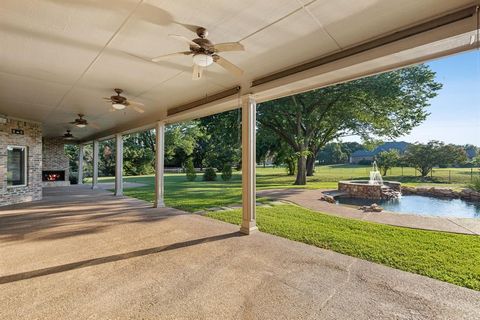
(86, 254)
(74, 252)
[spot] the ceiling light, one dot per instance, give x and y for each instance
(118, 106)
(81, 125)
(202, 60)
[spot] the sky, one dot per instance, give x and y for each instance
(455, 111)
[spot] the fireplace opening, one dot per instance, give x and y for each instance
(53, 175)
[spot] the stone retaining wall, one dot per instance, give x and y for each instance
(439, 192)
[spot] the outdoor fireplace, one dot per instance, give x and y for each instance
(53, 175)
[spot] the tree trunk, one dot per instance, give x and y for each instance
(301, 171)
(310, 165)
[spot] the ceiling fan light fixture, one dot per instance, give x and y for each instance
(202, 60)
(118, 106)
(81, 125)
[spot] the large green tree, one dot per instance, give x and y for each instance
(385, 105)
(387, 159)
(222, 139)
(423, 157)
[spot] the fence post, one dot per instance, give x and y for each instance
(471, 174)
(402, 171)
(449, 176)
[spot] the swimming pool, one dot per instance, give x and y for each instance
(421, 205)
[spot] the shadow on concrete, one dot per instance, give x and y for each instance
(112, 258)
(74, 211)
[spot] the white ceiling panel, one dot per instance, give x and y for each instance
(352, 22)
(60, 57)
(286, 40)
(25, 90)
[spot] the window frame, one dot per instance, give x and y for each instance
(25, 166)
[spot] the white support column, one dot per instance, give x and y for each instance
(80, 164)
(95, 165)
(249, 109)
(159, 164)
(119, 165)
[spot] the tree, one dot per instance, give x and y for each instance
(332, 153)
(180, 141)
(139, 153)
(190, 170)
(387, 159)
(423, 157)
(226, 172)
(386, 105)
(224, 139)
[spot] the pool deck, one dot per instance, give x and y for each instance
(311, 199)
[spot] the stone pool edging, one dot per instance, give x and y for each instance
(440, 192)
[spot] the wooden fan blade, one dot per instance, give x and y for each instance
(197, 72)
(106, 98)
(229, 46)
(136, 103)
(184, 39)
(135, 106)
(190, 27)
(166, 56)
(227, 65)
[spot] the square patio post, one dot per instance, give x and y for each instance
(95, 165)
(119, 165)
(249, 108)
(159, 164)
(80, 164)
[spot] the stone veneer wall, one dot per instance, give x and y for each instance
(361, 190)
(32, 139)
(54, 157)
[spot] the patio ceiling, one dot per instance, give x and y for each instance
(59, 57)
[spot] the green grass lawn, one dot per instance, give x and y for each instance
(198, 195)
(448, 257)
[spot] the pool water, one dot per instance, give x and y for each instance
(420, 205)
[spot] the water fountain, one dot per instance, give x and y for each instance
(375, 176)
(374, 188)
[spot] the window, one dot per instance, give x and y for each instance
(16, 166)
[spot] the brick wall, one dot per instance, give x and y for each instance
(53, 155)
(32, 139)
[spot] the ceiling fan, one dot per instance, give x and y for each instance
(68, 135)
(80, 122)
(119, 102)
(205, 53)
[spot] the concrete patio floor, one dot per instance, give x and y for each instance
(83, 254)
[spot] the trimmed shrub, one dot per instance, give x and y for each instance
(190, 170)
(210, 175)
(73, 178)
(227, 172)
